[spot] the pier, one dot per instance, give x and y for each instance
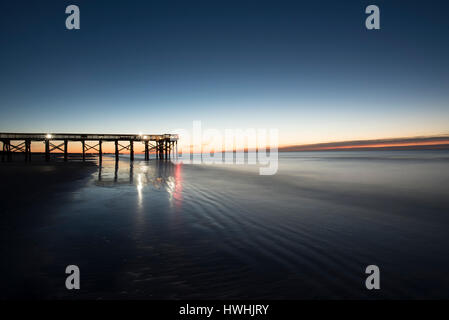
(164, 145)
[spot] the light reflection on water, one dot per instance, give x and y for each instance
(145, 176)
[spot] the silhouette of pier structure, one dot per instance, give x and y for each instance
(164, 145)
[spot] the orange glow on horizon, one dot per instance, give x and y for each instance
(372, 144)
(386, 145)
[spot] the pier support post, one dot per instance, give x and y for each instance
(8, 150)
(27, 150)
(8, 147)
(116, 150)
(166, 149)
(84, 149)
(5, 153)
(161, 150)
(147, 154)
(65, 149)
(100, 150)
(47, 150)
(131, 150)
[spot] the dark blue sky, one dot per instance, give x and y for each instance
(309, 68)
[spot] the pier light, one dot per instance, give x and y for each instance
(48, 136)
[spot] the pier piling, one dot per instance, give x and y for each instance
(65, 149)
(27, 150)
(147, 153)
(47, 150)
(84, 149)
(116, 150)
(100, 150)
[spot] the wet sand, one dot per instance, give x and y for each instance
(154, 230)
(29, 194)
(24, 183)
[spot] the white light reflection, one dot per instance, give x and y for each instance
(170, 188)
(139, 190)
(173, 186)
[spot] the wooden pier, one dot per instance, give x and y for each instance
(164, 145)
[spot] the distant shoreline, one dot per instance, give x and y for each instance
(392, 148)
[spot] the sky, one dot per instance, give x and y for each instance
(308, 68)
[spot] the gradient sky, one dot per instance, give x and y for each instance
(309, 68)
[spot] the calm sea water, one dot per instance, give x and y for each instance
(158, 230)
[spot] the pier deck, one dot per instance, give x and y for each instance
(164, 145)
